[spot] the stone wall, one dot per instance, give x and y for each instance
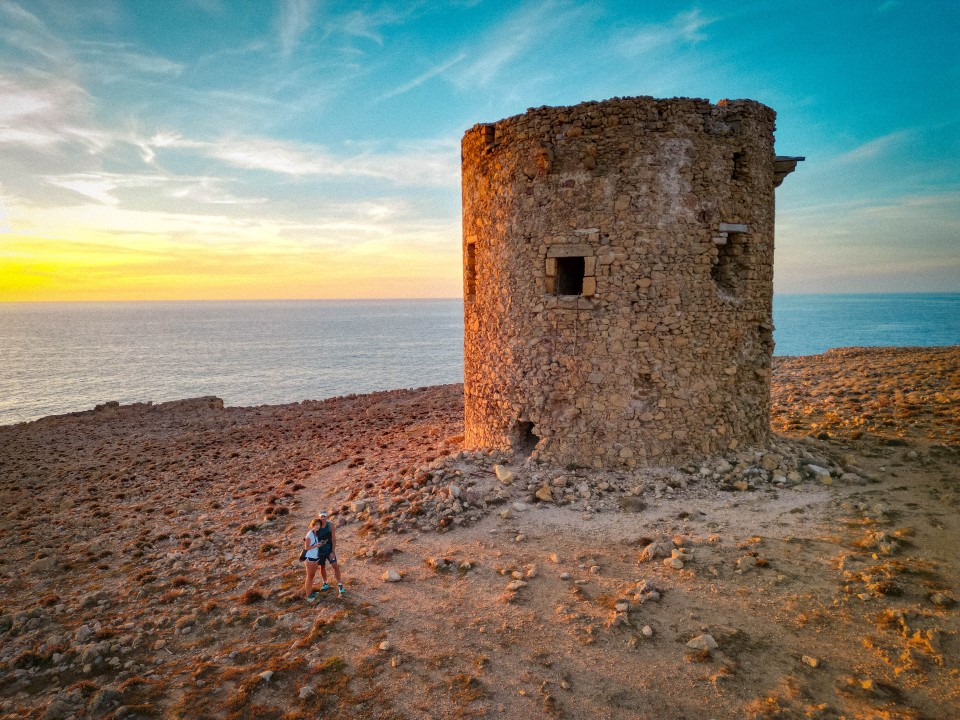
(618, 279)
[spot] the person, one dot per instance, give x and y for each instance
(311, 546)
(327, 551)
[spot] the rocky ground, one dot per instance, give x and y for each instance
(149, 562)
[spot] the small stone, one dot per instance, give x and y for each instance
(391, 576)
(504, 475)
(938, 598)
(396, 661)
(306, 691)
(811, 661)
(703, 642)
(544, 494)
(386, 646)
(516, 585)
(647, 631)
(746, 562)
(42, 565)
(266, 676)
(565, 576)
(673, 562)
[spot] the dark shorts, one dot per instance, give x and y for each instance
(327, 556)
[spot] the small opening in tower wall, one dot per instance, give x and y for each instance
(729, 269)
(470, 272)
(570, 272)
(522, 439)
(740, 171)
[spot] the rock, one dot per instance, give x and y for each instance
(673, 562)
(516, 585)
(358, 506)
(62, 706)
(630, 503)
(657, 549)
(504, 475)
(306, 691)
(386, 646)
(103, 702)
(941, 600)
(391, 576)
(770, 462)
(647, 631)
(746, 562)
(703, 642)
(42, 565)
(83, 634)
(820, 473)
(544, 494)
(811, 661)
(266, 676)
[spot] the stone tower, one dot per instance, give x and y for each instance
(618, 280)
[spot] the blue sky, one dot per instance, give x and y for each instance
(224, 149)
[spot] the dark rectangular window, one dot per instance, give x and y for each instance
(569, 276)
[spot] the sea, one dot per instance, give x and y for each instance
(58, 358)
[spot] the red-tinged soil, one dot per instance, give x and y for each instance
(148, 562)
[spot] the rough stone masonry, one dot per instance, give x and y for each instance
(618, 280)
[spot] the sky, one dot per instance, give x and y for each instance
(252, 149)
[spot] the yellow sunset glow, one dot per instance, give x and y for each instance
(41, 269)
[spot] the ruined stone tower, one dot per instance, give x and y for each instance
(618, 280)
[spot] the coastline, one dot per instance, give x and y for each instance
(149, 561)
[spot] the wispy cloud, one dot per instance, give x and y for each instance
(109, 188)
(116, 60)
(41, 111)
(873, 148)
(296, 17)
(431, 162)
(683, 29)
(503, 46)
(421, 79)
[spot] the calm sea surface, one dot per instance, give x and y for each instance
(62, 357)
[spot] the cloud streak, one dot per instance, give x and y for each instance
(683, 29)
(421, 79)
